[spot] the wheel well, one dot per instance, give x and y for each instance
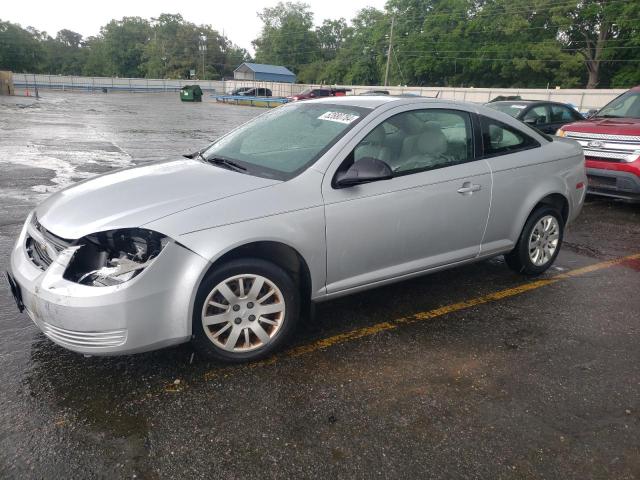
(280, 254)
(557, 201)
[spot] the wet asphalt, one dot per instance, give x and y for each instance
(540, 385)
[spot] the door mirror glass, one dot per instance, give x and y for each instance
(364, 170)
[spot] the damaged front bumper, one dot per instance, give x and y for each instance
(150, 311)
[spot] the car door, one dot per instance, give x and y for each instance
(515, 165)
(431, 213)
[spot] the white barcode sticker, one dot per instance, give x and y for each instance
(339, 117)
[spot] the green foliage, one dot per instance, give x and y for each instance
(287, 36)
(163, 47)
(602, 33)
(20, 49)
(481, 43)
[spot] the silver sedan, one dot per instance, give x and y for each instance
(313, 200)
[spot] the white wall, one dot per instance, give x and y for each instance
(582, 99)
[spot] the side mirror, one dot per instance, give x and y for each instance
(192, 155)
(365, 170)
(531, 121)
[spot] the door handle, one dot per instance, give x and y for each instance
(468, 188)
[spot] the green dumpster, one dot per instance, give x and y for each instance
(191, 93)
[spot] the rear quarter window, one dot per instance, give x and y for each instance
(501, 139)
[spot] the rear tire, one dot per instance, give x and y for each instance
(539, 243)
(252, 308)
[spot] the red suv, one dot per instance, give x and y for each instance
(611, 143)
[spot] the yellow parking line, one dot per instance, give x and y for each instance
(368, 331)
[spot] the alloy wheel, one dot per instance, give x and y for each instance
(543, 241)
(243, 313)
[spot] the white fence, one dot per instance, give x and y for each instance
(582, 99)
(24, 81)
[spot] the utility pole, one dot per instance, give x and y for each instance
(386, 73)
(203, 50)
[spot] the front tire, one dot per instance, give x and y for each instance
(539, 242)
(245, 310)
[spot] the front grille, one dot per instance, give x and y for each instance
(42, 246)
(604, 136)
(74, 338)
(37, 254)
(610, 148)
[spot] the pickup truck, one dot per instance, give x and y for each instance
(611, 143)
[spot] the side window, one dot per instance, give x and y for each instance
(560, 113)
(500, 139)
(420, 140)
(536, 116)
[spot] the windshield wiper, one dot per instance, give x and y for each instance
(608, 116)
(223, 162)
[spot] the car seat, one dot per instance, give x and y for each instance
(430, 149)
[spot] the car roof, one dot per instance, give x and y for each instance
(374, 101)
(528, 102)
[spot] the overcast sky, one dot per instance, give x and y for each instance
(238, 19)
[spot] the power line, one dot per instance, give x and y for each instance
(506, 11)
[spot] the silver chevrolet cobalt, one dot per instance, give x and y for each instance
(230, 247)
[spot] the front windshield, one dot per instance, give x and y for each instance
(285, 141)
(512, 109)
(626, 105)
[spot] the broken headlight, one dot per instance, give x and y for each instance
(114, 257)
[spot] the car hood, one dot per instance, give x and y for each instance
(608, 126)
(135, 196)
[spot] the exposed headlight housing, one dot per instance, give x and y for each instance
(561, 133)
(115, 256)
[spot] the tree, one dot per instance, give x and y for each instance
(124, 42)
(173, 49)
(20, 49)
(484, 43)
(331, 36)
(592, 28)
(363, 54)
(287, 37)
(69, 38)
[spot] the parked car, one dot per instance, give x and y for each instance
(310, 93)
(256, 92)
(547, 117)
(308, 202)
(611, 143)
(239, 91)
(375, 92)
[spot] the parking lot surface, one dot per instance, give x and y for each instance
(471, 373)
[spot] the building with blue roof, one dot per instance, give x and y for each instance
(264, 73)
